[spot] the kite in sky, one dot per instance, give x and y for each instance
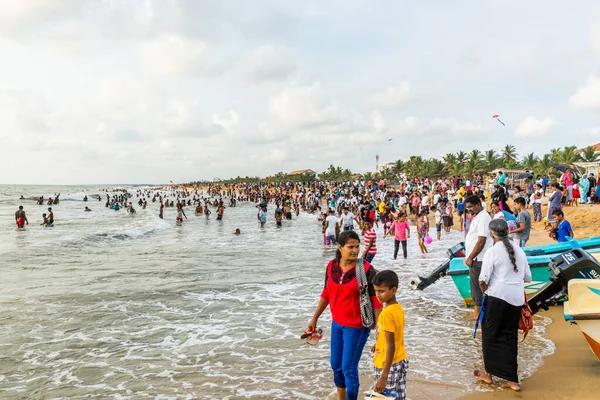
(496, 116)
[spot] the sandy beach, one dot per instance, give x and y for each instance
(572, 371)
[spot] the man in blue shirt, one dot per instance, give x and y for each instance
(563, 226)
(501, 178)
(544, 183)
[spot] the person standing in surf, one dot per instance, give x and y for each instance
(21, 218)
(341, 294)
(477, 243)
(180, 215)
(503, 275)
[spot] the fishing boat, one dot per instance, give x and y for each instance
(589, 244)
(583, 308)
(555, 248)
(540, 274)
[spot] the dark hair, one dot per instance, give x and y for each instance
(520, 200)
(499, 228)
(558, 212)
(386, 278)
(473, 200)
(517, 187)
(495, 203)
(343, 238)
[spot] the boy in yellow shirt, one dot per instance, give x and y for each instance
(390, 357)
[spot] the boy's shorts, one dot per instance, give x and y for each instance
(396, 378)
(438, 227)
(331, 239)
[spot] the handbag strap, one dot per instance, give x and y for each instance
(361, 276)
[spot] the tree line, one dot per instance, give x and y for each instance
(460, 164)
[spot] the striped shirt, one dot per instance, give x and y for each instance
(371, 236)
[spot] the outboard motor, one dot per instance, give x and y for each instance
(457, 250)
(572, 264)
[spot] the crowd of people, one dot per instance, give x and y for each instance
(494, 219)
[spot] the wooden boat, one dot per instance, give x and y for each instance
(540, 274)
(583, 308)
(589, 244)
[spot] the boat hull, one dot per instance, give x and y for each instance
(540, 276)
(583, 308)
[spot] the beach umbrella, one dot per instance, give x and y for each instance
(563, 168)
(560, 167)
(523, 175)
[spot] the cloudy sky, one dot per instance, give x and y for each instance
(133, 91)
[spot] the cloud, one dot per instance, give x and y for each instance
(22, 17)
(532, 127)
(587, 96)
(394, 97)
(298, 106)
(268, 63)
(174, 54)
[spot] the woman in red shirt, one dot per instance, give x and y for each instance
(348, 336)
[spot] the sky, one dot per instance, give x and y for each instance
(144, 91)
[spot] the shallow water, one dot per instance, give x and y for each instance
(110, 305)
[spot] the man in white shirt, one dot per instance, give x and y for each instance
(477, 242)
(347, 219)
(331, 222)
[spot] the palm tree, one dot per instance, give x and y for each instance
(433, 168)
(509, 153)
(461, 157)
(475, 155)
(529, 161)
(589, 154)
(555, 154)
(569, 156)
(455, 169)
(544, 165)
(491, 160)
(472, 166)
(510, 164)
(449, 161)
(414, 166)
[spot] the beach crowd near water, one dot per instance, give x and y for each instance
(494, 215)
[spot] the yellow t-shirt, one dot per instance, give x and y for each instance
(461, 193)
(391, 319)
(382, 206)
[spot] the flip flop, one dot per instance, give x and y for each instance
(307, 333)
(315, 337)
(372, 394)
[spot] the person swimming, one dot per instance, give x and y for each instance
(45, 220)
(237, 231)
(87, 209)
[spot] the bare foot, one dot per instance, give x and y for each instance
(482, 376)
(512, 385)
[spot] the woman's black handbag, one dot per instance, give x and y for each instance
(367, 314)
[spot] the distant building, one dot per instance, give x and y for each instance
(387, 166)
(302, 172)
(595, 146)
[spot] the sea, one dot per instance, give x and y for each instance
(110, 305)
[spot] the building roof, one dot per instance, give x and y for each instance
(301, 172)
(595, 146)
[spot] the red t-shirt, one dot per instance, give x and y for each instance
(341, 292)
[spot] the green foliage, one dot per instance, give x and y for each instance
(590, 155)
(459, 164)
